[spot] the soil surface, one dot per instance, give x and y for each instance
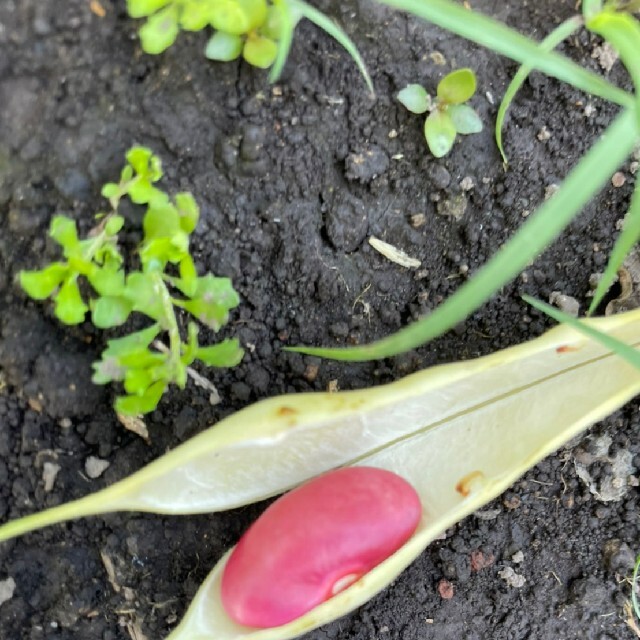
(292, 179)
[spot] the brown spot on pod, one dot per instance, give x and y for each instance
(466, 484)
(316, 541)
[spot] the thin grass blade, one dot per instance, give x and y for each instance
(580, 186)
(289, 23)
(630, 354)
(499, 38)
(629, 236)
(560, 33)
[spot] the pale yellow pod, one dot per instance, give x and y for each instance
(459, 433)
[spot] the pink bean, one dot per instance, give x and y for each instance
(315, 541)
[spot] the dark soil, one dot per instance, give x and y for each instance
(292, 179)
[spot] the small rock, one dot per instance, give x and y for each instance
(517, 557)
(440, 178)
(543, 134)
(566, 304)
(366, 165)
(480, 560)
(95, 467)
(50, 471)
(618, 179)
(7, 587)
(467, 183)
(454, 208)
(512, 578)
(445, 589)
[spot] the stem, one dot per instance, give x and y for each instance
(171, 326)
(90, 505)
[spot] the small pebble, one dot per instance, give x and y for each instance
(50, 471)
(618, 179)
(95, 467)
(7, 587)
(512, 578)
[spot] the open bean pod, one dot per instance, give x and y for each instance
(460, 434)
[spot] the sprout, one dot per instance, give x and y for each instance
(448, 115)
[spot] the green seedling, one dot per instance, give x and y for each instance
(260, 31)
(448, 115)
(167, 280)
(459, 434)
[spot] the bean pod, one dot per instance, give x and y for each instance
(316, 541)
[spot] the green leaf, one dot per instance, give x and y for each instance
(274, 23)
(141, 291)
(160, 30)
(145, 163)
(628, 238)
(212, 301)
(156, 253)
(144, 8)
(540, 229)
(114, 225)
(140, 404)
(188, 276)
(188, 212)
(256, 10)
(195, 15)
(69, 306)
(63, 230)
(225, 354)
(465, 119)
(107, 281)
(107, 370)
(136, 381)
(228, 16)
(560, 33)
(39, 285)
(110, 311)
(110, 190)
(415, 98)
(457, 87)
(160, 221)
(223, 47)
(259, 51)
(133, 342)
(440, 133)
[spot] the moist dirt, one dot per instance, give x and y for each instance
(292, 179)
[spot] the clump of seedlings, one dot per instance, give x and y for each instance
(250, 28)
(166, 280)
(448, 115)
(260, 31)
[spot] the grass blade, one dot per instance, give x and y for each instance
(634, 589)
(582, 184)
(326, 24)
(499, 38)
(631, 355)
(289, 23)
(628, 238)
(560, 33)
